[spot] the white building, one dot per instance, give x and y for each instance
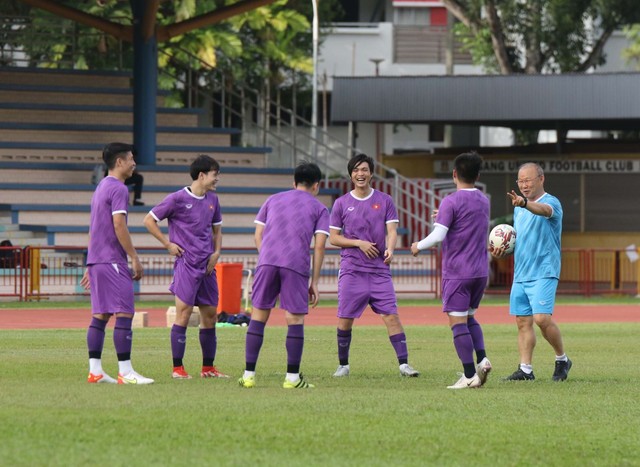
(410, 37)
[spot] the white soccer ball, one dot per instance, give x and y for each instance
(503, 235)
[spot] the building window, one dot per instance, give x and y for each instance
(411, 16)
(436, 133)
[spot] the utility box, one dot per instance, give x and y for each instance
(229, 277)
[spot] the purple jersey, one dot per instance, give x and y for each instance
(191, 219)
(465, 214)
(364, 219)
(110, 198)
(290, 220)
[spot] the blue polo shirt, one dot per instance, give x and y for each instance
(537, 254)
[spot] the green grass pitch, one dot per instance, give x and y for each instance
(50, 416)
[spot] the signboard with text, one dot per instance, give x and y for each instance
(417, 3)
(585, 166)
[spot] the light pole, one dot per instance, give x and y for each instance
(377, 62)
(314, 97)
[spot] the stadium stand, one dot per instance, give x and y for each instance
(53, 125)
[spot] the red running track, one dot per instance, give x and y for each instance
(326, 316)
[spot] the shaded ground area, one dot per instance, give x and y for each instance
(326, 316)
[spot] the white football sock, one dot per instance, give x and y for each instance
(528, 369)
(293, 377)
(124, 367)
(95, 366)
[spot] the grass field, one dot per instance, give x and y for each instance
(50, 416)
(491, 300)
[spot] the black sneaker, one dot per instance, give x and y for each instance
(520, 375)
(562, 370)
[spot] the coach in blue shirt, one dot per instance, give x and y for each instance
(537, 220)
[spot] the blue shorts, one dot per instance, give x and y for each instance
(357, 289)
(273, 281)
(533, 297)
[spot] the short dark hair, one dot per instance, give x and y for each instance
(114, 151)
(307, 173)
(203, 163)
(357, 160)
(468, 165)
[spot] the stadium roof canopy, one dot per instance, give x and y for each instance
(599, 101)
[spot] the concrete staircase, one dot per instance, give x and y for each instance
(68, 116)
(53, 125)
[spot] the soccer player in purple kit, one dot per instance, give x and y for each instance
(195, 239)
(285, 226)
(361, 220)
(107, 275)
(462, 225)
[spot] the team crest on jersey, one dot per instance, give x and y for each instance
(376, 206)
(189, 206)
(350, 208)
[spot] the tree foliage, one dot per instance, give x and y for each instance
(540, 36)
(632, 53)
(264, 43)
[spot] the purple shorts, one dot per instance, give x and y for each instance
(193, 285)
(291, 286)
(463, 294)
(111, 288)
(357, 289)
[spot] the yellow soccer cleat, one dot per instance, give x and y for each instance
(300, 384)
(248, 382)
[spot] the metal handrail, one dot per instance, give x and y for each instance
(291, 131)
(324, 142)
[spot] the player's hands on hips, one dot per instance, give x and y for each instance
(84, 282)
(435, 214)
(175, 250)
(516, 200)
(136, 269)
(414, 249)
(388, 256)
(213, 260)
(368, 249)
(313, 295)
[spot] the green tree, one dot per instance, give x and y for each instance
(540, 36)
(266, 43)
(632, 53)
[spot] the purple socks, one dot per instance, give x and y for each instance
(253, 344)
(95, 337)
(294, 345)
(123, 338)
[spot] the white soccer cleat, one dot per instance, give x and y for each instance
(133, 378)
(467, 383)
(100, 378)
(483, 369)
(406, 370)
(343, 370)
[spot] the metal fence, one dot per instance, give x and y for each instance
(584, 272)
(11, 272)
(45, 272)
(41, 273)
